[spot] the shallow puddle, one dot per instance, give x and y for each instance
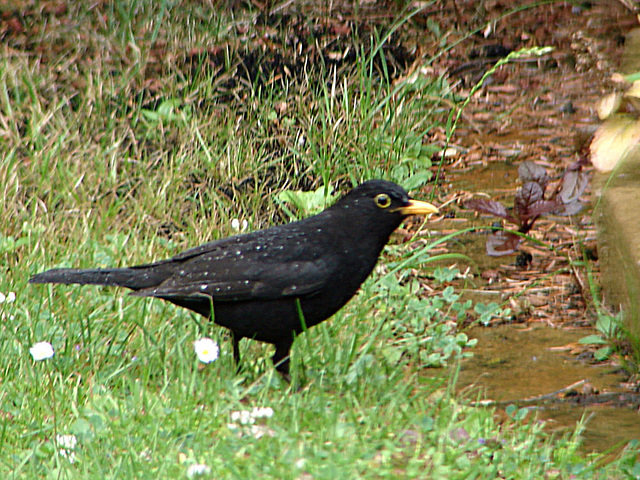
(517, 362)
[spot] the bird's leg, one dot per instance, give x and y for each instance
(236, 350)
(281, 359)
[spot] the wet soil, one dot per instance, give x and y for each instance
(545, 368)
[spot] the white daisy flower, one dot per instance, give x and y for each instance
(41, 351)
(206, 349)
(244, 417)
(239, 226)
(262, 412)
(9, 297)
(197, 470)
(66, 445)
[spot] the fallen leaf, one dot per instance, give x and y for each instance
(613, 139)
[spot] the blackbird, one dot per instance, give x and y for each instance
(271, 284)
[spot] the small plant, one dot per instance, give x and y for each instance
(530, 204)
(610, 333)
(307, 203)
(424, 328)
(614, 337)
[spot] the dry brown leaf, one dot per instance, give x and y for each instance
(613, 139)
(609, 104)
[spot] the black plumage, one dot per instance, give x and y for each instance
(252, 281)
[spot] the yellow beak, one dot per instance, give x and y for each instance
(416, 207)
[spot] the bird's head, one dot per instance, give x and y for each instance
(383, 199)
(373, 210)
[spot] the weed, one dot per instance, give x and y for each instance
(530, 203)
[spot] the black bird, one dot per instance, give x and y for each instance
(256, 283)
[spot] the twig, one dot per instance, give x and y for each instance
(539, 398)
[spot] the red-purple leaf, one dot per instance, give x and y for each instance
(502, 243)
(484, 205)
(570, 208)
(574, 183)
(531, 172)
(542, 207)
(526, 196)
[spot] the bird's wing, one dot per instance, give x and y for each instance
(272, 263)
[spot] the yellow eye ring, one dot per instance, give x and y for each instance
(383, 200)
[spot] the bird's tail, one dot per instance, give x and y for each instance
(124, 277)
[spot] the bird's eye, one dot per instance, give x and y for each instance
(383, 200)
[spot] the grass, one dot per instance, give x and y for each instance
(119, 146)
